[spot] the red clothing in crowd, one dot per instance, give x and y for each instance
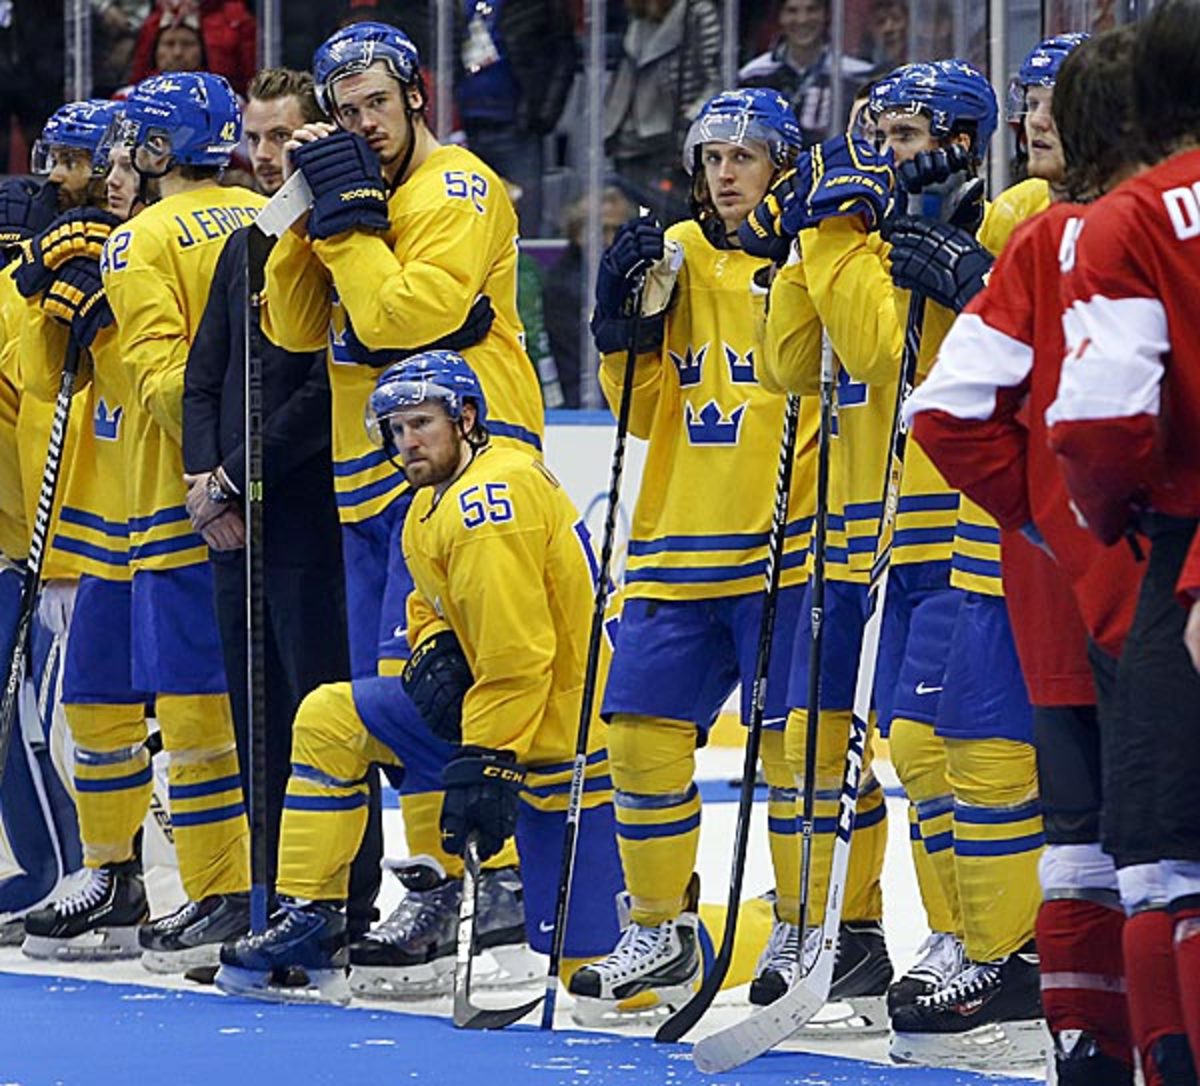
(230, 41)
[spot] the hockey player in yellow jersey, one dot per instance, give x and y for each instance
(694, 575)
(410, 244)
(503, 574)
(972, 794)
(180, 130)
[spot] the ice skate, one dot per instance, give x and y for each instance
(1077, 1061)
(862, 972)
(651, 970)
(411, 954)
(778, 965)
(97, 921)
(300, 958)
(939, 960)
(191, 936)
(987, 1016)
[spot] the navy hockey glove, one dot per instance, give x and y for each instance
(849, 177)
(772, 226)
(483, 789)
(480, 318)
(80, 233)
(636, 245)
(76, 297)
(25, 208)
(436, 679)
(347, 185)
(945, 180)
(938, 260)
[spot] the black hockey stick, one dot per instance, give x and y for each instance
(816, 629)
(466, 1014)
(689, 1014)
(258, 248)
(591, 674)
(763, 1030)
(38, 543)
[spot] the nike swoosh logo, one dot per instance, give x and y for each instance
(545, 928)
(923, 689)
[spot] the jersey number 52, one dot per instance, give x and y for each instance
(461, 185)
(484, 503)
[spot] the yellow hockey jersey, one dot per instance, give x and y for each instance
(157, 271)
(975, 565)
(453, 237)
(504, 560)
(93, 526)
(703, 515)
(13, 537)
(864, 315)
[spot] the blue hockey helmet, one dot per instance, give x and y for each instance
(78, 125)
(948, 92)
(752, 115)
(1040, 68)
(441, 376)
(182, 118)
(355, 48)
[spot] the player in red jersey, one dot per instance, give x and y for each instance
(1126, 428)
(979, 415)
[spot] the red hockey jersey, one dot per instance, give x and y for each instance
(1126, 421)
(980, 416)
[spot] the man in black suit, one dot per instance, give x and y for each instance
(305, 637)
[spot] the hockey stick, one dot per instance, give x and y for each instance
(37, 550)
(816, 629)
(258, 248)
(466, 1014)
(736, 1044)
(595, 633)
(689, 1014)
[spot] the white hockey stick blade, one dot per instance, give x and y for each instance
(292, 200)
(743, 1041)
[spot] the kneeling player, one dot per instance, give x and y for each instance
(502, 569)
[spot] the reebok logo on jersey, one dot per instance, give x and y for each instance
(923, 689)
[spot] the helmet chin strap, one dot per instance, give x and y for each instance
(146, 176)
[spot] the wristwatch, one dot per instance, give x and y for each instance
(216, 491)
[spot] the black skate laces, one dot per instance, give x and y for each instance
(91, 893)
(973, 981)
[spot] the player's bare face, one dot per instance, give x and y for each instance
(430, 443)
(71, 171)
(906, 134)
(121, 183)
(268, 125)
(372, 104)
(738, 177)
(1041, 135)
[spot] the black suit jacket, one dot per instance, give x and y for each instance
(300, 524)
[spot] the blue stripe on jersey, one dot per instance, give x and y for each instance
(360, 463)
(707, 574)
(592, 784)
(497, 428)
(733, 541)
(939, 842)
(165, 546)
(979, 533)
(928, 503)
(915, 537)
(996, 816)
(980, 567)
(325, 803)
(203, 818)
(598, 755)
(369, 490)
(172, 515)
(204, 788)
(84, 519)
(114, 784)
(1010, 847)
(90, 550)
(865, 510)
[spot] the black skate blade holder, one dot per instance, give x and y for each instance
(466, 1014)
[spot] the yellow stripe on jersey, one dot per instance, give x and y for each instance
(976, 562)
(453, 237)
(157, 272)
(703, 514)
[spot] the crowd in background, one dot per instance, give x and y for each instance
(517, 94)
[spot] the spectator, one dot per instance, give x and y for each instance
(115, 25)
(566, 302)
(227, 32)
(671, 66)
(888, 37)
(799, 66)
(514, 65)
